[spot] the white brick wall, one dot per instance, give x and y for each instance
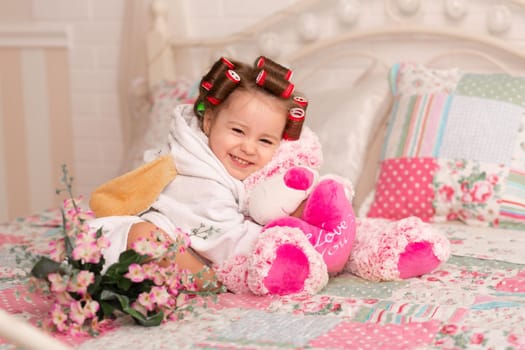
(208, 18)
(96, 31)
(94, 59)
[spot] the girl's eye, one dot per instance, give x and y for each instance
(266, 141)
(237, 131)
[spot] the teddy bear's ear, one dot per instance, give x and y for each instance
(135, 191)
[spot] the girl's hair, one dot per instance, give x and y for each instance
(227, 75)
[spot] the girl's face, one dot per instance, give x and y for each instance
(245, 133)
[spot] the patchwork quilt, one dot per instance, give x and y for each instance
(476, 300)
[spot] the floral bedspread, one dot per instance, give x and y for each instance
(474, 301)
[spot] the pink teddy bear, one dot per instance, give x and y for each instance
(327, 224)
(294, 254)
(327, 219)
(298, 254)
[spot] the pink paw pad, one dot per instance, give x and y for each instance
(299, 178)
(288, 272)
(417, 259)
(284, 262)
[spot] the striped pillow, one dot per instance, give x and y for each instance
(454, 151)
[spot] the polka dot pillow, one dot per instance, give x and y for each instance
(454, 148)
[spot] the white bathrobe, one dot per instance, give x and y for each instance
(203, 200)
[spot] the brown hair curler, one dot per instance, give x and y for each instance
(275, 84)
(221, 80)
(294, 124)
(273, 67)
(218, 68)
(223, 86)
(300, 101)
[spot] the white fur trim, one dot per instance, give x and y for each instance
(233, 274)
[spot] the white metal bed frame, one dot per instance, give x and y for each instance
(402, 18)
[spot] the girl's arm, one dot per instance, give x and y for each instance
(185, 260)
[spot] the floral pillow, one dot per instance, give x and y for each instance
(454, 148)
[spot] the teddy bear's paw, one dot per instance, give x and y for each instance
(288, 272)
(387, 251)
(329, 211)
(233, 273)
(284, 262)
(417, 259)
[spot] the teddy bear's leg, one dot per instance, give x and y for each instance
(394, 250)
(329, 209)
(284, 262)
(233, 274)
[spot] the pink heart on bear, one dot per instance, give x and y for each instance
(330, 212)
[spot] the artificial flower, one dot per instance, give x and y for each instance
(135, 285)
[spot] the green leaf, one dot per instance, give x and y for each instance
(94, 287)
(130, 256)
(119, 268)
(95, 268)
(99, 233)
(108, 295)
(109, 302)
(107, 308)
(124, 283)
(146, 321)
(44, 267)
(123, 300)
(115, 271)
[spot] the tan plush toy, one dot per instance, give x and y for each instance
(135, 191)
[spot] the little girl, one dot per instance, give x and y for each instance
(232, 130)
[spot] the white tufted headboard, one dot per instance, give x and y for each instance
(342, 44)
(313, 33)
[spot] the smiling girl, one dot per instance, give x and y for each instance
(233, 129)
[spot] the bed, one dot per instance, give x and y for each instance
(375, 74)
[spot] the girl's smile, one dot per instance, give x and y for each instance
(245, 133)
